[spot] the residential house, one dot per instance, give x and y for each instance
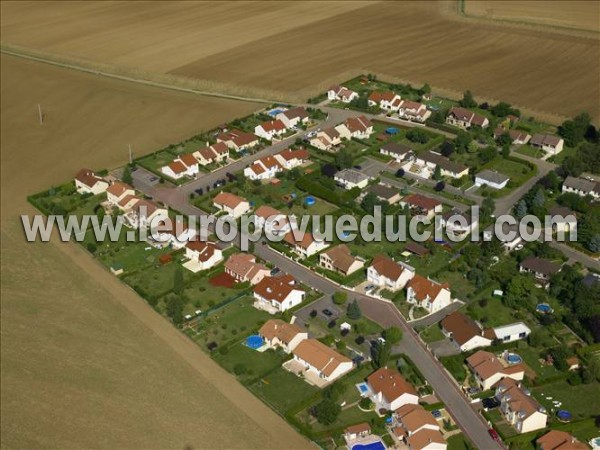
(243, 268)
(413, 111)
(517, 137)
(582, 187)
(447, 167)
(421, 205)
(517, 406)
(487, 369)
(218, 152)
(384, 193)
(264, 168)
(416, 249)
(389, 390)
(492, 179)
(341, 94)
(86, 182)
(542, 269)
(550, 144)
(238, 140)
(174, 233)
(279, 334)
(270, 129)
(118, 191)
(418, 428)
(339, 259)
(513, 332)
(271, 220)
(465, 119)
(388, 101)
(356, 127)
(294, 117)
(465, 332)
(278, 294)
(326, 139)
(185, 165)
(127, 202)
(563, 219)
(457, 222)
(320, 361)
(290, 159)
(428, 294)
(232, 204)
(388, 274)
(401, 153)
(427, 440)
(357, 431)
(305, 244)
(559, 440)
(202, 255)
(145, 213)
(350, 179)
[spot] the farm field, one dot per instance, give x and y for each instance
(556, 77)
(85, 363)
(574, 14)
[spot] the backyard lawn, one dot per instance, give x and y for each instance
(249, 364)
(575, 399)
(432, 333)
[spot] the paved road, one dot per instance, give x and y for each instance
(436, 316)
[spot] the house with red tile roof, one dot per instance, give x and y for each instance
(428, 294)
(145, 213)
(294, 117)
(202, 255)
(278, 294)
(320, 361)
(465, 332)
(86, 182)
(174, 233)
(185, 165)
(418, 428)
(465, 119)
(270, 129)
(289, 158)
(304, 243)
(389, 390)
(339, 259)
(355, 127)
(279, 334)
(388, 274)
(487, 369)
(421, 205)
(341, 94)
(517, 137)
(271, 220)
(264, 168)
(326, 139)
(218, 152)
(559, 440)
(238, 140)
(413, 111)
(388, 101)
(118, 191)
(357, 431)
(518, 407)
(234, 205)
(244, 268)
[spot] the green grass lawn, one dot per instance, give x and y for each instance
(456, 366)
(432, 333)
(528, 150)
(255, 364)
(491, 312)
(531, 356)
(575, 399)
(518, 172)
(458, 442)
(282, 390)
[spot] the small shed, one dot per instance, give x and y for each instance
(417, 249)
(165, 259)
(116, 269)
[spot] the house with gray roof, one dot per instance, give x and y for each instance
(350, 179)
(492, 179)
(581, 187)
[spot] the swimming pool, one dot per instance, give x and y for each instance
(513, 358)
(544, 308)
(363, 388)
(274, 112)
(372, 446)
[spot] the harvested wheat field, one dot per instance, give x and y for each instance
(571, 14)
(85, 362)
(292, 51)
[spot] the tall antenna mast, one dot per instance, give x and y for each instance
(40, 115)
(130, 155)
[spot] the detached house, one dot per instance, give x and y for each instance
(238, 140)
(542, 269)
(185, 165)
(465, 119)
(401, 153)
(465, 332)
(550, 144)
(388, 274)
(326, 139)
(581, 187)
(419, 429)
(487, 369)
(388, 101)
(202, 255)
(356, 127)
(320, 361)
(271, 220)
(559, 440)
(390, 391)
(279, 334)
(305, 244)
(270, 129)
(458, 222)
(144, 213)
(428, 294)
(350, 179)
(517, 406)
(278, 294)
(342, 94)
(86, 182)
(339, 259)
(293, 117)
(264, 168)
(517, 137)
(218, 152)
(384, 193)
(174, 233)
(447, 167)
(492, 179)
(421, 205)
(513, 332)
(243, 268)
(118, 191)
(232, 204)
(289, 158)
(413, 111)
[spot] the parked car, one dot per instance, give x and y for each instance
(199, 191)
(327, 312)
(436, 413)
(358, 167)
(370, 288)
(490, 403)
(494, 435)
(231, 176)
(473, 390)
(275, 271)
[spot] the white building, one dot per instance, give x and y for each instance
(518, 407)
(350, 179)
(305, 244)
(465, 119)
(294, 117)
(143, 213)
(270, 129)
(550, 144)
(389, 390)
(264, 168)
(118, 191)
(212, 153)
(278, 294)
(465, 332)
(581, 187)
(202, 255)
(279, 334)
(388, 101)
(413, 111)
(427, 294)
(185, 165)
(492, 179)
(512, 332)
(389, 274)
(487, 369)
(321, 361)
(271, 220)
(342, 94)
(86, 182)
(400, 152)
(232, 204)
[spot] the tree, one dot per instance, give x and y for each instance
(327, 411)
(462, 141)
(504, 109)
(539, 199)
(520, 209)
(175, 309)
(439, 186)
(416, 135)
(572, 166)
(368, 202)
(487, 154)
(127, 178)
(400, 173)
(487, 208)
(328, 170)
(519, 291)
(437, 173)
(340, 297)
(343, 159)
(353, 311)
(447, 148)
(392, 335)
(574, 131)
(178, 280)
(593, 244)
(468, 101)
(426, 89)
(381, 354)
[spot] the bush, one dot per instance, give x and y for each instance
(239, 369)
(339, 298)
(365, 403)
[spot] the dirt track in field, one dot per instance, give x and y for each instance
(85, 362)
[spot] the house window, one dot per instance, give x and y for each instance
(506, 338)
(522, 335)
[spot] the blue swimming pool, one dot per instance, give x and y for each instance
(254, 342)
(544, 308)
(363, 388)
(274, 112)
(372, 446)
(513, 358)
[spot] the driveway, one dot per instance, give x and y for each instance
(444, 348)
(436, 316)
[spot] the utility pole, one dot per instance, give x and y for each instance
(40, 115)
(130, 155)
